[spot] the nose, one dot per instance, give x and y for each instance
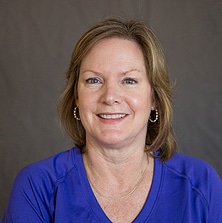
(112, 94)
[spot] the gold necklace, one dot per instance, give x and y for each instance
(122, 196)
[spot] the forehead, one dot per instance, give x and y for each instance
(114, 51)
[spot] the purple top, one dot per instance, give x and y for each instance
(184, 189)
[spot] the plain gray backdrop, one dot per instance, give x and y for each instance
(36, 41)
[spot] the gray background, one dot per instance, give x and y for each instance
(36, 41)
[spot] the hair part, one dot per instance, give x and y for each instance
(160, 135)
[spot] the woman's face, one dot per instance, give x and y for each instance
(114, 94)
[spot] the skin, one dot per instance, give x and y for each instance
(115, 100)
(113, 83)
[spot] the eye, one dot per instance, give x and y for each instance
(93, 80)
(130, 81)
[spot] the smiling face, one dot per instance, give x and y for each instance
(114, 94)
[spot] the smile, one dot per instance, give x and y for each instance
(113, 116)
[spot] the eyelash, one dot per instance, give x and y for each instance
(94, 80)
(130, 81)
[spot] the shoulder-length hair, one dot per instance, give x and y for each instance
(160, 135)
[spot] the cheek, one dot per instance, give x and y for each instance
(142, 100)
(87, 101)
(83, 97)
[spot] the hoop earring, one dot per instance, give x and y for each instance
(156, 116)
(75, 114)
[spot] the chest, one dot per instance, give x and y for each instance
(126, 209)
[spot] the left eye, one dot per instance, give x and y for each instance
(130, 81)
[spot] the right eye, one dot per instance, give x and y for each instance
(93, 80)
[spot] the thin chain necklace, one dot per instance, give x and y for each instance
(121, 196)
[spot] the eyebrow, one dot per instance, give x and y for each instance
(124, 73)
(92, 71)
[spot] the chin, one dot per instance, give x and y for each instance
(114, 142)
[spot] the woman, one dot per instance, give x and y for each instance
(117, 109)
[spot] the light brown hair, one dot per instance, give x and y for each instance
(160, 135)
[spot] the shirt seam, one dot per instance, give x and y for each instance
(195, 188)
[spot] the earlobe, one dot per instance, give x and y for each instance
(153, 107)
(153, 102)
(77, 102)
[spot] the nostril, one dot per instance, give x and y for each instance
(110, 100)
(111, 95)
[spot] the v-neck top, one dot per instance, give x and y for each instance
(56, 190)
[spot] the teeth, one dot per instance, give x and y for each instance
(116, 116)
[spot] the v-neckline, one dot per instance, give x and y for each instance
(95, 207)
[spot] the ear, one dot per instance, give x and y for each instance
(153, 105)
(77, 102)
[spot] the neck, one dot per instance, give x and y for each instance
(120, 175)
(100, 157)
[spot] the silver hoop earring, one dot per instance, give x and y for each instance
(156, 116)
(75, 114)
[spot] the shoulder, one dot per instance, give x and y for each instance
(189, 166)
(198, 174)
(50, 170)
(35, 187)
